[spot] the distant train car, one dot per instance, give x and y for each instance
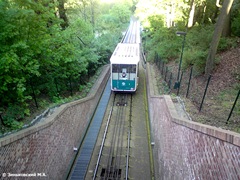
(124, 67)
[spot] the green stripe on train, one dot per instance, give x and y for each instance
(123, 84)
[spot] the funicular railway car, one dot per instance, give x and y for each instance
(124, 67)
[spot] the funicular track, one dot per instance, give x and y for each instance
(122, 125)
(113, 157)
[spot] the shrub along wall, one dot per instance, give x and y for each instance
(47, 147)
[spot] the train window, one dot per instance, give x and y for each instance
(122, 68)
(133, 69)
(115, 68)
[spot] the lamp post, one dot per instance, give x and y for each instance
(180, 33)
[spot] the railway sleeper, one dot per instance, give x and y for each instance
(111, 173)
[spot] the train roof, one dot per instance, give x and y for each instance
(125, 54)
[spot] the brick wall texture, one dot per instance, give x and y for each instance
(47, 147)
(182, 152)
(188, 150)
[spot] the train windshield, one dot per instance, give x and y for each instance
(124, 68)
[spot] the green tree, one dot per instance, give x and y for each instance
(47, 48)
(235, 26)
(216, 36)
(62, 13)
(25, 27)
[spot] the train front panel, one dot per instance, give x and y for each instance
(124, 77)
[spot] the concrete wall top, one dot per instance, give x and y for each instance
(225, 135)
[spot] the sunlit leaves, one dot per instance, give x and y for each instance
(24, 30)
(167, 9)
(39, 58)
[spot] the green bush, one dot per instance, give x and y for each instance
(235, 26)
(196, 49)
(196, 58)
(226, 43)
(188, 59)
(13, 115)
(199, 37)
(13, 124)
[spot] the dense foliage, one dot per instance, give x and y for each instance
(161, 21)
(49, 49)
(208, 27)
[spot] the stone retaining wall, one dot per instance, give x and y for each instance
(46, 149)
(189, 150)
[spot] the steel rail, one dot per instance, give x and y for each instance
(128, 142)
(119, 147)
(113, 142)
(114, 158)
(128, 152)
(102, 144)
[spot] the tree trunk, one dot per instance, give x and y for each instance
(62, 14)
(191, 14)
(227, 24)
(93, 14)
(170, 14)
(204, 14)
(2, 121)
(227, 27)
(168, 19)
(227, 4)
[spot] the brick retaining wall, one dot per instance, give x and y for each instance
(48, 146)
(189, 150)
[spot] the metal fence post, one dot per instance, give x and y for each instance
(155, 58)
(162, 68)
(160, 61)
(170, 81)
(180, 83)
(234, 104)
(166, 73)
(189, 81)
(209, 78)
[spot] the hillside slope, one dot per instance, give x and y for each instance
(221, 93)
